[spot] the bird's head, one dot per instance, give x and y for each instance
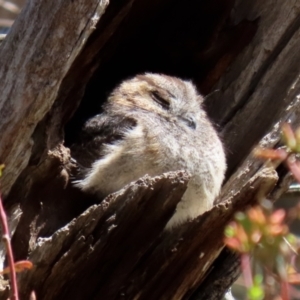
(164, 95)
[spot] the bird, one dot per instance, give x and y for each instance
(152, 124)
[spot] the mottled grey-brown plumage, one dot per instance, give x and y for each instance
(152, 124)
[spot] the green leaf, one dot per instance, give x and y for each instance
(256, 292)
(229, 231)
(1, 169)
(258, 279)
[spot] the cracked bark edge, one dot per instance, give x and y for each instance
(98, 234)
(182, 259)
(226, 268)
(26, 98)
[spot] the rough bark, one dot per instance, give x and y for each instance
(34, 59)
(63, 55)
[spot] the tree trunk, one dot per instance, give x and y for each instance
(56, 66)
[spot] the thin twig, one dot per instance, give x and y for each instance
(6, 239)
(285, 293)
(246, 270)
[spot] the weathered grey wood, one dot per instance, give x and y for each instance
(194, 247)
(34, 58)
(104, 244)
(262, 81)
(124, 231)
(225, 270)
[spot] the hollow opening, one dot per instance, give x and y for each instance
(195, 41)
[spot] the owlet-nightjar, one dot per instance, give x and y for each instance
(152, 124)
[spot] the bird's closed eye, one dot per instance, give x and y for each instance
(189, 121)
(160, 100)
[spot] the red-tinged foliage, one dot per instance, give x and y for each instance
(294, 278)
(277, 217)
(20, 266)
(273, 154)
(285, 290)
(257, 225)
(256, 215)
(234, 243)
(265, 233)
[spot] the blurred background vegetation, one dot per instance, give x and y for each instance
(8, 12)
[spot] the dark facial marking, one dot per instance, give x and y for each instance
(160, 100)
